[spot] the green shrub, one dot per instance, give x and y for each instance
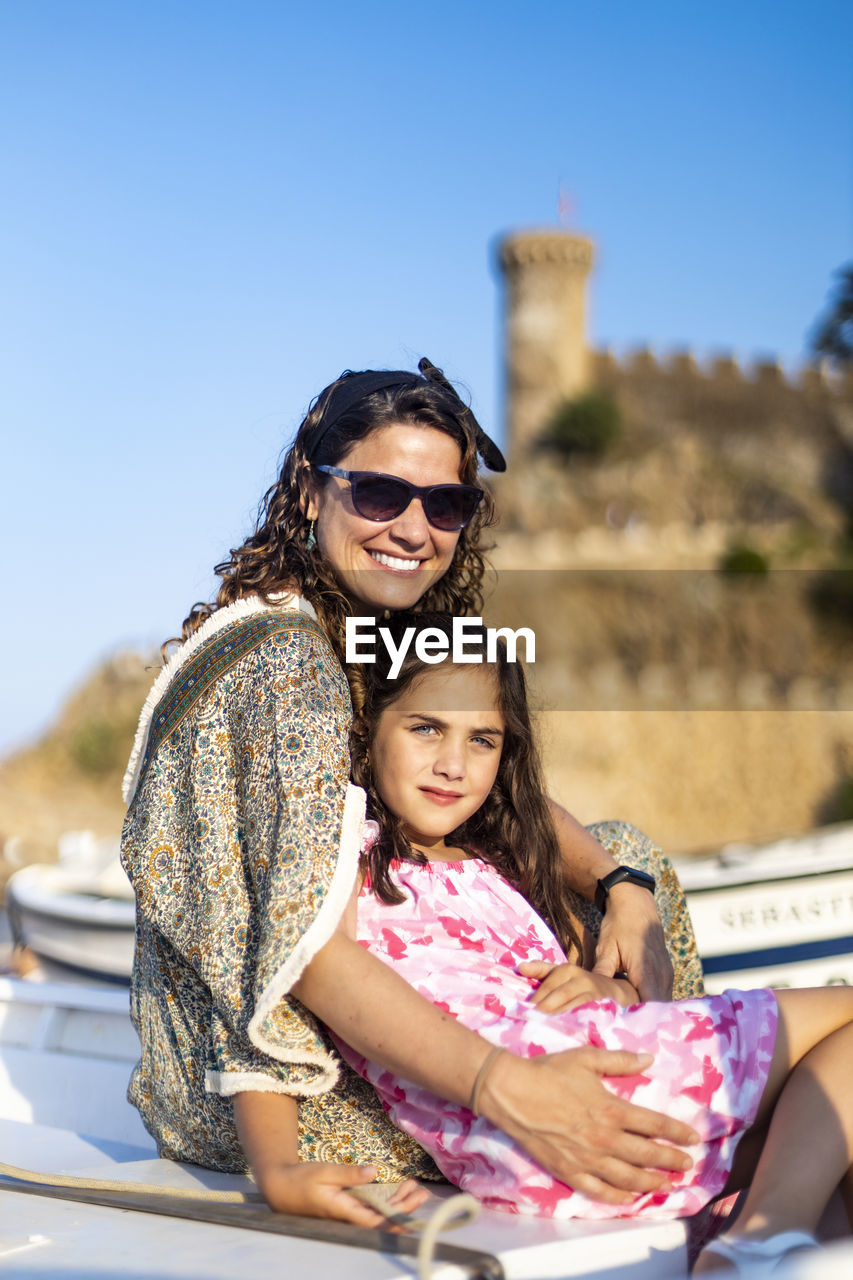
(589, 425)
(744, 559)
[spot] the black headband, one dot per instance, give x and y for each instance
(356, 386)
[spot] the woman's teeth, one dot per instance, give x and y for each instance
(394, 562)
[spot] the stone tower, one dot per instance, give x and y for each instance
(546, 352)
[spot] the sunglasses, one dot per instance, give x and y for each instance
(377, 497)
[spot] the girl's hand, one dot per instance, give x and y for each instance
(555, 1105)
(318, 1190)
(267, 1129)
(566, 986)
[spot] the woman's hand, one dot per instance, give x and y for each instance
(566, 986)
(323, 1191)
(632, 942)
(556, 1107)
(631, 939)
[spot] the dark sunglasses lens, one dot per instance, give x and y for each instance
(448, 507)
(451, 506)
(379, 497)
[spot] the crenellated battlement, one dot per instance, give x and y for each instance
(546, 248)
(816, 379)
(548, 359)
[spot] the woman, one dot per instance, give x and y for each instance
(242, 840)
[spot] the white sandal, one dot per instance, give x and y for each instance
(753, 1259)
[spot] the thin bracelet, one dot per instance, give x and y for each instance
(480, 1078)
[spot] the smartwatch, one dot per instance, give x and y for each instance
(621, 874)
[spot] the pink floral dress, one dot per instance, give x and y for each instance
(457, 939)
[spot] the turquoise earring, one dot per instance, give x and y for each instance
(310, 541)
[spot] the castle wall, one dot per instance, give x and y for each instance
(548, 360)
(704, 711)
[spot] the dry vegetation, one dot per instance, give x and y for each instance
(71, 780)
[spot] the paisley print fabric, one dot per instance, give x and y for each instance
(242, 843)
(458, 939)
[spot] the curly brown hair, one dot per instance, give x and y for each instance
(277, 556)
(513, 829)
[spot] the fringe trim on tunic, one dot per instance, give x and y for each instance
(222, 618)
(315, 937)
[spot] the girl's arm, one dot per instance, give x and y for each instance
(267, 1129)
(566, 986)
(554, 1106)
(631, 939)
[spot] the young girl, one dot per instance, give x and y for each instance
(464, 895)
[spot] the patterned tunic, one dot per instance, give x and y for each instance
(458, 938)
(242, 841)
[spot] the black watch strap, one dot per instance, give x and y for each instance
(619, 876)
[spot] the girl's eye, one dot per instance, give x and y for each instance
(485, 742)
(423, 729)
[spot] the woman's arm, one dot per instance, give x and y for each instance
(631, 939)
(554, 1106)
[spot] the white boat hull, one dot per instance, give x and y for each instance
(60, 915)
(65, 1056)
(779, 916)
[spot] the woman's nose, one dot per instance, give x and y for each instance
(411, 525)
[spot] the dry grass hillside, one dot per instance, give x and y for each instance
(71, 780)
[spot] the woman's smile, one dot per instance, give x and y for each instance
(398, 564)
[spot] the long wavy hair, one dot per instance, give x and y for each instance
(277, 557)
(513, 829)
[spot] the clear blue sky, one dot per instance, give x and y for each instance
(211, 207)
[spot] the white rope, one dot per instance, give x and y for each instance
(458, 1211)
(135, 1188)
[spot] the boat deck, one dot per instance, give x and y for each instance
(54, 1238)
(66, 1051)
(66, 1056)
